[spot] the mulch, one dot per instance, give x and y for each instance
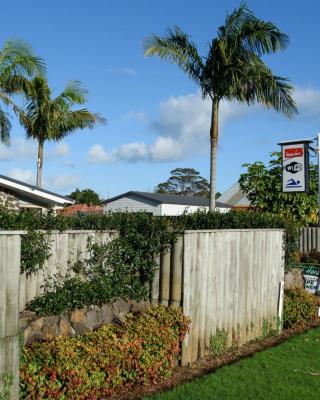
(209, 364)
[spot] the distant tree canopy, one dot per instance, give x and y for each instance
(185, 182)
(263, 187)
(86, 196)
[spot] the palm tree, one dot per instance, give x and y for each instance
(45, 118)
(17, 62)
(232, 69)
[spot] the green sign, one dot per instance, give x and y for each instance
(310, 269)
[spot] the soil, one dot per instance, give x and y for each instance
(209, 364)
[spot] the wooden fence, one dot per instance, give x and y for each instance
(67, 248)
(225, 280)
(309, 239)
(9, 310)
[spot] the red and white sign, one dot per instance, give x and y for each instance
(293, 152)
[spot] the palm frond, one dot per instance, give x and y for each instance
(5, 127)
(74, 93)
(176, 47)
(18, 56)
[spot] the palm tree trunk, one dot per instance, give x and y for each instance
(39, 164)
(213, 152)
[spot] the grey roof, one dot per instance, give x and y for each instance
(32, 187)
(160, 198)
(234, 196)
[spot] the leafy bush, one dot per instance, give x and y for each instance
(97, 364)
(299, 307)
(35, 250)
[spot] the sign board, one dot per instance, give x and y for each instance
(295, 166)
(311, 277)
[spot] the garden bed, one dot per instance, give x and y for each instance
(209, 364)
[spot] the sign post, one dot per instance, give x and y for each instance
(295, 166)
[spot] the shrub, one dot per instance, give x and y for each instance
(95, 365)
(299, 307)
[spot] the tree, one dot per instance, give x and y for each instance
(186, 182)
(17, 62)
(263, 186)
(45, 118)
(231, 70)
(86, 196)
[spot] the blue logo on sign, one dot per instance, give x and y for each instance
(293, 183)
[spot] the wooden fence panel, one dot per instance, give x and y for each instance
(231, 284)
(66, 248)
(9, 310)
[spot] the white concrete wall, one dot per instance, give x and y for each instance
(178, 209)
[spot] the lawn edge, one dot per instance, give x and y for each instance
(209, 364)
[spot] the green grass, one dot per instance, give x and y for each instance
(274, 374)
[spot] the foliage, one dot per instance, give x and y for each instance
(17, 62)
(185, 182)
(232, 69)
(35, 250)
(287, 371)
(263, 187)
(86, 196)
(312, 256)
(218, 342)
(5, 394)
(144, 349)
(299, 307)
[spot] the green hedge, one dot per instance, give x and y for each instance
(93, 366)
(299, 307)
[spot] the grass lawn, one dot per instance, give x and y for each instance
(283, 372)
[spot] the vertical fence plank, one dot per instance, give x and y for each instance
(176, 272)
(165, 262)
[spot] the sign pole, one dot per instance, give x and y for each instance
(318, 150)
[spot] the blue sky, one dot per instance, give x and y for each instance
(156, 118)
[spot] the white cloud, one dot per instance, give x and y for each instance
(62, 149)
(308, 101)
(97, 155)
(19, 149)
(182, 127)
(62, 182)
(24, 175)
(136, 115)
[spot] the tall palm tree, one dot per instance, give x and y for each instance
(17, 62)
(45, 118)
(231, 70)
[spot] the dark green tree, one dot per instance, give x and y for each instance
(232, 69)
(263, 187)
(86, 196)
(185, 182)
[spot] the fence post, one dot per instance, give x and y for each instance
(164, 289)
(10, 248)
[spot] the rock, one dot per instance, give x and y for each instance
(106, 314)
(34, 337)
(293, 279)
(93, 318)
(80, 328)
(37, 324)
(25, 317)
(50, 327)
(65, 328)
(77, 316)
(120, 309)
(140, 307)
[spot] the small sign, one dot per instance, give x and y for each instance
(295, 166)
(311, 277)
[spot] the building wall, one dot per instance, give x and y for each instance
(8, 200)
(178, 209)
(132, 204)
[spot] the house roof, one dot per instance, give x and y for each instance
(82, 208)
(160, 198)
(32, 192)
(235, 197)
